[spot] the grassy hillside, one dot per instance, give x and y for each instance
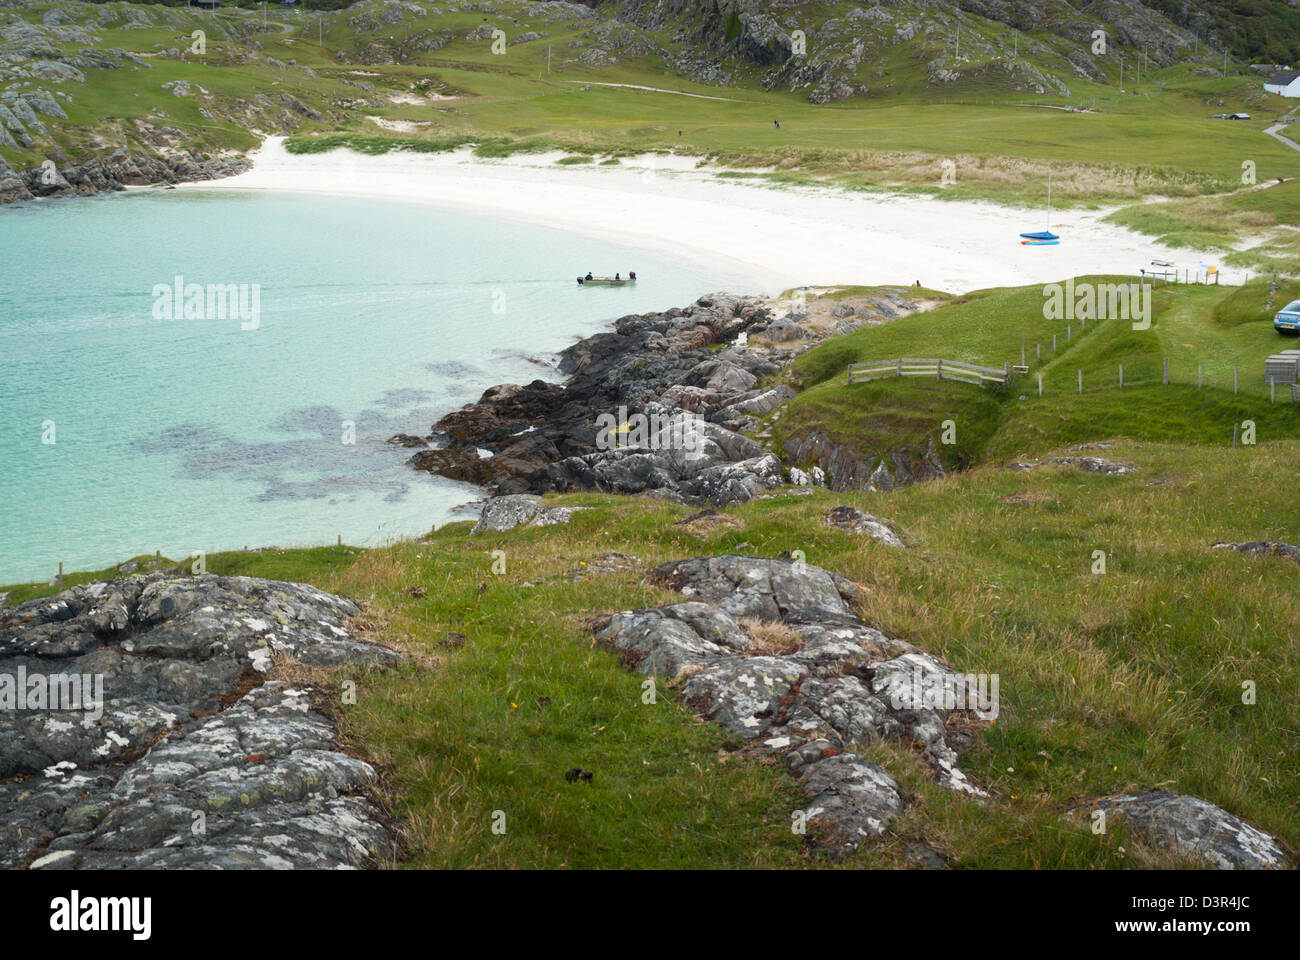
(1217, 329)
(383, 69)
(1109, 683)
(1004, 107)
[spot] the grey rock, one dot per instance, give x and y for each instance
(53, 70)
(851, 798)
(759, 403)
(1086, 464)
(844, 681)
(774, 590)
(783, 330)
(855, 521)
(1195, 828)
(155, 659)
(508, 512)
(845, 468)
(263, 779)
(742, 693)
(666, 640)
(842, 706)
(906, 683)
(1262, 548)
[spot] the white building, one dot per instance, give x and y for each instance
(1287, 84)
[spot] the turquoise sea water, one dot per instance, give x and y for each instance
(197, 434)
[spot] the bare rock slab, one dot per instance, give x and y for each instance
(1196, 828)
(126, 744)
(769, 589)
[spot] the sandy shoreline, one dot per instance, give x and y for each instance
(779, 237)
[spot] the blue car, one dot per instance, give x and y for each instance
(1288, 318)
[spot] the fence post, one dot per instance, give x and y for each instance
(1040, 384)
(1235, 381)
(848, 374)
(1166, 371)
(60, 574)
(1006, 372)
(1234, 436)
(938, 368)
(1081, 381)
(900, 366)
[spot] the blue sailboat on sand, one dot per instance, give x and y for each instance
(1043, 238)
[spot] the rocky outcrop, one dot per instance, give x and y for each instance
(839, 682)
(1193, 828)
(58, 178)
(845, 468)
(506, 513)
(1086, 464)
(135, 731)
(647, 409)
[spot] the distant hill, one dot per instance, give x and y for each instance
(126, 87)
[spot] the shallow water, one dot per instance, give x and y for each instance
(218, 432)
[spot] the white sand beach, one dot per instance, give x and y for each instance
(779, 236)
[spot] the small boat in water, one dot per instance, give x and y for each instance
(614, 281)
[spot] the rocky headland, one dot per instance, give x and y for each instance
(59, 177)
(692, 392)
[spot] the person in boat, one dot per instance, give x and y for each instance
(617, 277)
(588, 276)
(631, 274)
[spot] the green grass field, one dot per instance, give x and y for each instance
(1110, 683)
(1216, 329)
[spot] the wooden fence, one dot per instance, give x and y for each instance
(937, 368)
